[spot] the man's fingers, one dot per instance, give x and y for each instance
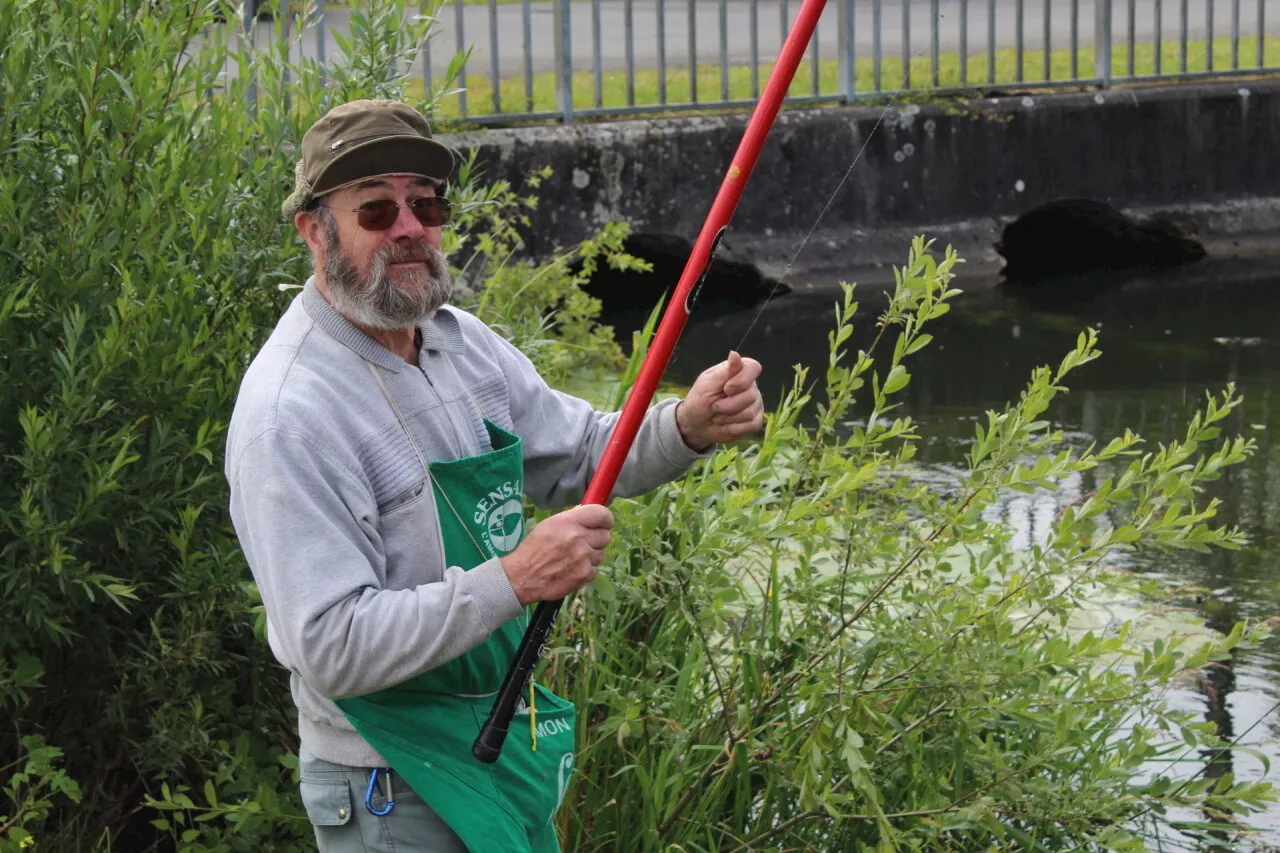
(719, 374)
(745, 428)
(747, 414)
(593, 516)
(730, 406)
(732, 376)
(749, 421)
(743, 378)
(755, 410)
(723, 372)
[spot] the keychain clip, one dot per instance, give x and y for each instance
(368, 794)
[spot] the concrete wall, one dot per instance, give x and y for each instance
(960, 168)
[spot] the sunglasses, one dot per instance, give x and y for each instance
(432, 211)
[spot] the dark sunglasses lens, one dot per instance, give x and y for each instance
(377, 215)
(431, 210)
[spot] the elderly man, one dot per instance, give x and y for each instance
(377, 456)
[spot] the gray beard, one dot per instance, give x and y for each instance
(377, 302)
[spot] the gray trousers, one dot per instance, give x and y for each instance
(334, 798)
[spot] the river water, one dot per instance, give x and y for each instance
(1166, 339)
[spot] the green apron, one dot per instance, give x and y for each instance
(424, 727)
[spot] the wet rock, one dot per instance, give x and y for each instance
(1073, 236)
(730, 284)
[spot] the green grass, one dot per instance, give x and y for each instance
(298, 6)
(614, 94)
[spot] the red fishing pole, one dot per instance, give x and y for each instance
(488, 744)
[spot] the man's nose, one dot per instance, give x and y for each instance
(406, 225)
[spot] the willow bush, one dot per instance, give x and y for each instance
(142, 258)
(800, 645)
(808, 645)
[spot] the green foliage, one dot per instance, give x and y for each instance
(540, 307)
(144, 256)
(808, 645)
(31, 789)
(803, 643)
(140, 258)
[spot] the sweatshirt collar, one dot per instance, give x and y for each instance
(440, 331)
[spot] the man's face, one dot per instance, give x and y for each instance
(391, 279)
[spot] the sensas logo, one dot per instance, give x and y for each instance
(500, 514)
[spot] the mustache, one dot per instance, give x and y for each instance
(401, 254)
(372, 298)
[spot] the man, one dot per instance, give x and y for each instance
(377, 455)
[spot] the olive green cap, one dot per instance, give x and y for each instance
(361, 139)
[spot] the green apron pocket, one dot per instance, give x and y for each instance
(535, 781)
(327, 801)
(425, 726)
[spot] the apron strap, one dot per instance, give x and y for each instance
(483, 412)
(404, 424)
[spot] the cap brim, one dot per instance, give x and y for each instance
(390, 155)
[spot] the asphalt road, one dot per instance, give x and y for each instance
(914, 30)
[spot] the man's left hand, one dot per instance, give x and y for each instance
(724, 404)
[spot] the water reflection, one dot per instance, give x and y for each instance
(1166, 341)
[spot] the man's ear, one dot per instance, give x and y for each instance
(310, 229)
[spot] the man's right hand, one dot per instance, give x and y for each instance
(560, 554)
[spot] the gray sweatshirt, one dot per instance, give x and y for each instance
(334, 517)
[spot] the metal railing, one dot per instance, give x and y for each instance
(557, 60)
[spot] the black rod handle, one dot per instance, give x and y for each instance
(493, 733)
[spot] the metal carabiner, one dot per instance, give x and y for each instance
(368, 794)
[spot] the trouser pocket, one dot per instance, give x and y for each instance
(334, 800)
(330, 807)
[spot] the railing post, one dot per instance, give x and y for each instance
(250, 12)
(285, 21)
(1102, 42)
(321, 32)
(564, 60)
(848, 70)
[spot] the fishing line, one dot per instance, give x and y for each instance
(827, 207)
